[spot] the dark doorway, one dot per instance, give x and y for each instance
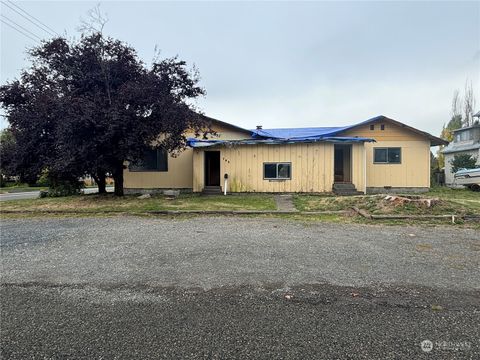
(212, 168)
(342, 163)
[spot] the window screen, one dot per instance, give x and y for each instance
(283, 171)
(464, 136)
(277, 170)
(387, 155)
(394, 156)
(153, 160)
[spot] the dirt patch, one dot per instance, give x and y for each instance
(384, 205)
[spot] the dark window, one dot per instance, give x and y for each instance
(273, 171)
(382, 127)
(270, 171)
(153, 160)
(372, 127)
(380, 156)
(387, 155)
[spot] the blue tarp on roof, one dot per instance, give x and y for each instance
(199, 143)
(289, 136)
(297, 133)
(307, 133)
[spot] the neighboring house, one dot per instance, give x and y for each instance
(465, 141)
(377, 155)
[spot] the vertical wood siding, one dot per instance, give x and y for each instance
(311, 171)
(414, 170)
(180, 170)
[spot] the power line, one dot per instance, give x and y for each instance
(21, 27)
(46, 28)
(20, 31)
(37, 22)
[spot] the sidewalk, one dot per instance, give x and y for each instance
(285, 203)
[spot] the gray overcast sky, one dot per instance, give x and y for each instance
(291, 64)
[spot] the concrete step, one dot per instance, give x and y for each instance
(343, 186)
(345, 189)
(212, 190)
(347, 193)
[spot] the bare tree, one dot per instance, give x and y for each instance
(456, 105)
(95, 22)
(468, 104)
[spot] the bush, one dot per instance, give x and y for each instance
(463, 161)
(62, 187)
(44, 179)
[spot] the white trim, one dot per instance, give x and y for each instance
(365, 169)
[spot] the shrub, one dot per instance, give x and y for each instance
(60, 186)
(463, 161)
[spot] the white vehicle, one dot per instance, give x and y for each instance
(469, 178)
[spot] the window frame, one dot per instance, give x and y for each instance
(387, 162)
(276, 168)
(160, 152)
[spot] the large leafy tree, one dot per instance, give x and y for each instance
(7, 143)
(90, 106)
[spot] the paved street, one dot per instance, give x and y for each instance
(229, 287)
(36, 194)
(20, 195)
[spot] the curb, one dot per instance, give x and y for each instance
(453, 217)
(177, 212)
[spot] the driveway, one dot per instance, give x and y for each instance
(230, 287)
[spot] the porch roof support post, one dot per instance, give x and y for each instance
(365, 169)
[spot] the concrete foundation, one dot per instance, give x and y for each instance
(132, 191)
(396, 190)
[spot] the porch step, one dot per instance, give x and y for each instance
(212, 190)
(345, 189)
(343, 186)
(347, 193)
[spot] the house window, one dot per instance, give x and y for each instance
(382, 127)
(372, 127)
(277, 171)
(153, 160)
(387, 156)
(464, 136)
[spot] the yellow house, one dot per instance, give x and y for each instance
(377, 155)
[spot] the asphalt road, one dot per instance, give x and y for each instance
(230, 287)
(20, 195)
(36, 194)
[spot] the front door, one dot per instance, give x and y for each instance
(342, 163)
(212, 168)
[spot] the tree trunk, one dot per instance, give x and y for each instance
(118, 179)
(101, 182)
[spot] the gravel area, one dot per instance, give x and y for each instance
(227, 287)
(210, 252)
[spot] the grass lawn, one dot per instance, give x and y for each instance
(131, 204)
(451, 201)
